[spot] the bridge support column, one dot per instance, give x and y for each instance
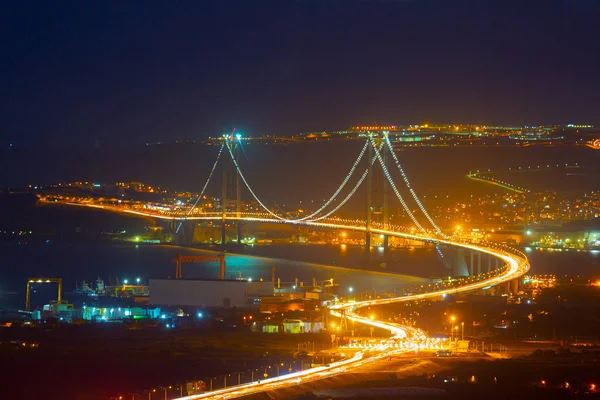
(239, 232)
(386, 243)
(460, 266)
(489, 263)
(478, 263)
(185, 236)
(514, 286)
(472, 263)
(223, 233)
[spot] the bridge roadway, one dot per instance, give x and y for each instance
(516, 265)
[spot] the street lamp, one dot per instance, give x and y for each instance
(452, 328)
(350, 289)
(138, 280)
(462, 327)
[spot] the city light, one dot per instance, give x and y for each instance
(316, 185)
(515, 263)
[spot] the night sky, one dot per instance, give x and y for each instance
(132, 72)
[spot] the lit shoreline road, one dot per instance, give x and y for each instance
(516, 265)
(503, 185)
(305, 376)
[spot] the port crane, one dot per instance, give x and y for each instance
(41, 280)
(180, 259)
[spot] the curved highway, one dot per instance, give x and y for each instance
(515, 265)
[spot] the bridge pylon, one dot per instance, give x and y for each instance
(227, 181)
(238, 197)
(224, 204)
(377, 192)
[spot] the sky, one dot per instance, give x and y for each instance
(144, 71)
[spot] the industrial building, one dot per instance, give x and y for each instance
(118, 313)
(209, 293)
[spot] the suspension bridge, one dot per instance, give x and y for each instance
(377, 151)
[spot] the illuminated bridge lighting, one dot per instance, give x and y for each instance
(408, 338)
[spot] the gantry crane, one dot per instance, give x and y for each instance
(220, 258)
(42, 280)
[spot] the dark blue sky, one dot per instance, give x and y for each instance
(131, 72)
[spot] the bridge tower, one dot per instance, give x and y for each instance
(228, 172)
(238, 197)
(378, 194)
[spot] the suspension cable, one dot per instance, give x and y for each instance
(393, 185)
(339, 189)
(239, 171)
(203, 189)
(360, 181)
(412, 192)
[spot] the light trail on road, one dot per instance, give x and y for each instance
(516, 264)
(305, 376)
